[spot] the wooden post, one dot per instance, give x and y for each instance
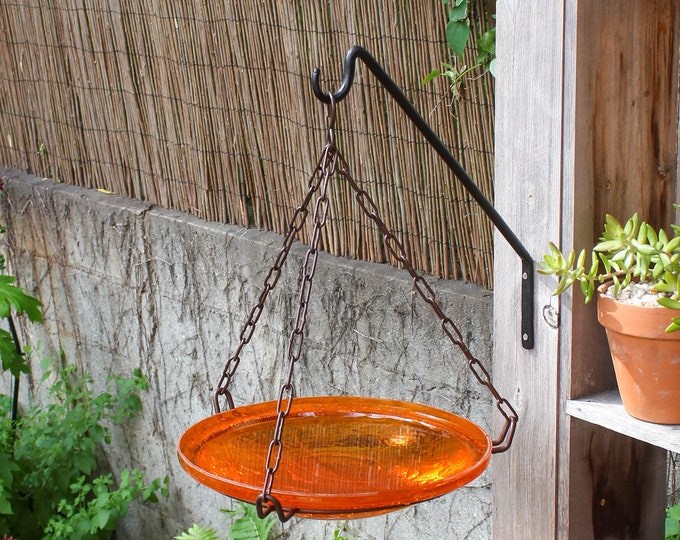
(586, 124)
(527, 193)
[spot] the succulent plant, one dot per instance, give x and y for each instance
(635, 251)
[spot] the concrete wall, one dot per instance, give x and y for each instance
(126, 285)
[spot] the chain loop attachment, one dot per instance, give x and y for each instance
(265, 505)
(395, 248)
(330, 164)
(287, 391)
(296, 224)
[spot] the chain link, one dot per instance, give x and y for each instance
(331, 163)
(394, 247)
(296, 224)
(287, 392)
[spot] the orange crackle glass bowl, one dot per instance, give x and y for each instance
(342, 457)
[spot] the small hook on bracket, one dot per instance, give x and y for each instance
(347, 76)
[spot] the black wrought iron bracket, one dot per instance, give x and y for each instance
(357, 52)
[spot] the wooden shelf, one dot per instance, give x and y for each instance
(606, 410)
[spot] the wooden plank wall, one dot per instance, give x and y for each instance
(528, 138)
(624, 159)
(587, 124)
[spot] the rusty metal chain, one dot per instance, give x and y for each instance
(396, 250)
(331, 163)
(294, 227)
(267, 503)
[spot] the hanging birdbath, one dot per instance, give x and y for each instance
(340, 457)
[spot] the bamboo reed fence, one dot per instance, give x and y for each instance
(206, 107)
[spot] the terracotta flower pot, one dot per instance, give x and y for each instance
(646, 359)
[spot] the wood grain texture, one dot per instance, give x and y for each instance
(622, 91)
(628, 108)
(528, 143)
(606, 410)
(582, 90)
(616, 486)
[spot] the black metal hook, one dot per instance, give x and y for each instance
(358, 52)
(348, 75)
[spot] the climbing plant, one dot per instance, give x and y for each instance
(460, 17)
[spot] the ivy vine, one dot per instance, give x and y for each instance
(458, 32)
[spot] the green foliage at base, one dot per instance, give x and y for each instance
(246, 525)
(49, 486)
(196, 532)
(673, 522)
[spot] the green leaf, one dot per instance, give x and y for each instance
(674, 511)
(5, 507)
(492, 67)
(97, 433)
(665, 260)
(672, 527)
(431, 76)
(612, 226)
(608, 246)
(101, 520)
(459, 11)
(487, 43)
(606, 263)
(12, 296)
(664, 288)
(652, 237)
(591, 291)
(631, 226)
(83, 462)
(547, 265)
(594, 264)
(626, 281)
(12, 361)
(644, 248)
(457, 34)
(669, 303)
(197, 532)
(571, 258)
(562, 286)
(672, 245)
(642, 233)
(248, 525)
(674, 326)
(657, 271)
(581, 261)
(672, 279)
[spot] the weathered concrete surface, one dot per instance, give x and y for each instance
(128, 285)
